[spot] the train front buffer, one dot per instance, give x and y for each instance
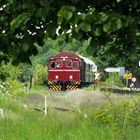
(62, 86)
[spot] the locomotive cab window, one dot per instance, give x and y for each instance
(69, 63)
(52, 64)
(59, 63)
(75, 64)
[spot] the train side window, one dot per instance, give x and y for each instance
(69, 63)
(52, 64)
(59, 63)
(75, 64)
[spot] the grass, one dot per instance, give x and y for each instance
(39, 89)
(101, 123)
(34, 126)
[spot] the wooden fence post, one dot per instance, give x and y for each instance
(46, 108)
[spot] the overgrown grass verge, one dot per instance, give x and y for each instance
(39, 89)
(110, 122)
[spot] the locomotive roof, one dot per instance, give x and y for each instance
(73, 55)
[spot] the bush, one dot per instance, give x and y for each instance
(41, 74)
(4, 88)
(12, 87)
(7, 71)
(114, 80)
(121, 116)
(16, 88)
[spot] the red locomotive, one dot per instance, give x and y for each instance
(68, 71)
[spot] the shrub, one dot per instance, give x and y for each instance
(16, 88)
(4, 88)
(103, 117)
(114, 80)
(41, 74)
(7, 71)
(122, 115)
(12, 87)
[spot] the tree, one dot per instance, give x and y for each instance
(112, 26)
(24, 23)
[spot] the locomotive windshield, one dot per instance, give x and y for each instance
(59, 63)
(52, 64)
(69, 62)
(75, 64)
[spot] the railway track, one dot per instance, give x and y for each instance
(120, 91)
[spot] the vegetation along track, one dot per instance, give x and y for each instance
(74, 99)
(120, 91)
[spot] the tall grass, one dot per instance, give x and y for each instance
(39, 89)
(34, 126)
(100, 124)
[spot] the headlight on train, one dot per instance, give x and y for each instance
(71, 77)
(56, 77)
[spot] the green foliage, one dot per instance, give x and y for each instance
(26, 71)
(113, 34)
(13, 72)
(11, 88)
(102, 117)
(41, 74)
(9, 85)
(66, 13)
(106, 123)
(114, 80)
(128, 114)
(4, 88)
(3, 73)
(16, 88)
(8, 71)
(52, 47)
(112, 28)
(84, 27)
(119, 117)
(19, 21)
